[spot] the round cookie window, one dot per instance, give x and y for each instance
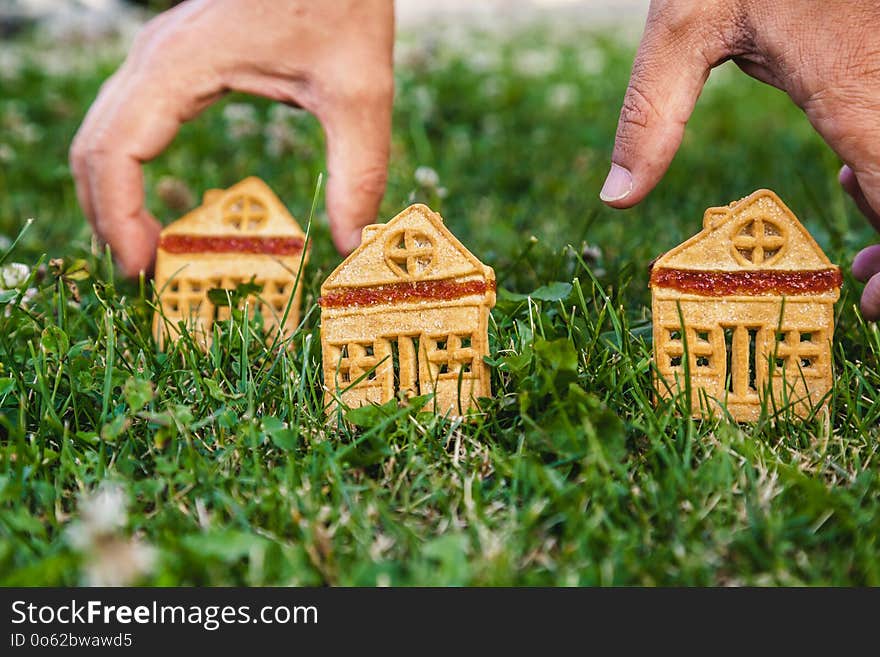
(758, 241)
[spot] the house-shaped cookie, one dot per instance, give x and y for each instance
(745, 311)
(407, 312)
(236, 235)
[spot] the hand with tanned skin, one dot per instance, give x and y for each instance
(333, 59)
(825, 54)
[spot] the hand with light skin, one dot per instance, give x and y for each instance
(333, 59)
(825, 54)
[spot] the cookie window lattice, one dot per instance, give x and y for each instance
(359, 361)
(800, 351)
(244, 213)
(448, 356)
(409, 253)
(758, 241)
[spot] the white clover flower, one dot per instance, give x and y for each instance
(409, 54)
(484, 61)
(427, 177)
(279, 140)
(55, 62)
(562, 96)
(13, 275)
(492, 87)
(460, 143)
(85, 23)
(591, 253)
(7, 153)
(535, 63)
(491, 125)
(281, 112)
(28, 133)
(423, 99)
(281, 135)
(17, 126)
(592, 61)
(592, 256)
(29, 295)
(101, 512)
(241, 120)
(175, 193)
(381, 544)
(10, 63)
(458, 37)
(120, 562)
(111, 557)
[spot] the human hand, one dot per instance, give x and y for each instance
(333, 59)
(825, 55)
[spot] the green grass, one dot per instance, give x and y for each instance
(570, 476)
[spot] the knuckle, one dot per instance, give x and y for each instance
(867, 173)
(638, 111)
(77, 155)
(96, 150)
(87, 155)
(713, 34)
(383, 85)
(674, 17)
(683, 17)
(839, 112)
(374, 89)
(371, 181)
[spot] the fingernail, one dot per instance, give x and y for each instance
(618, 184)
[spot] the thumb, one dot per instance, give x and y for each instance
(358, 134)
(668, 74)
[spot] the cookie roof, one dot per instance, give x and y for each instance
(413, 246)
(249, 207)
(757, 233)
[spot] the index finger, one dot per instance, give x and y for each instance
(131, 125)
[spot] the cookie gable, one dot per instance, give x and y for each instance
(756, 297)
(238, 233)
(407, 312)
